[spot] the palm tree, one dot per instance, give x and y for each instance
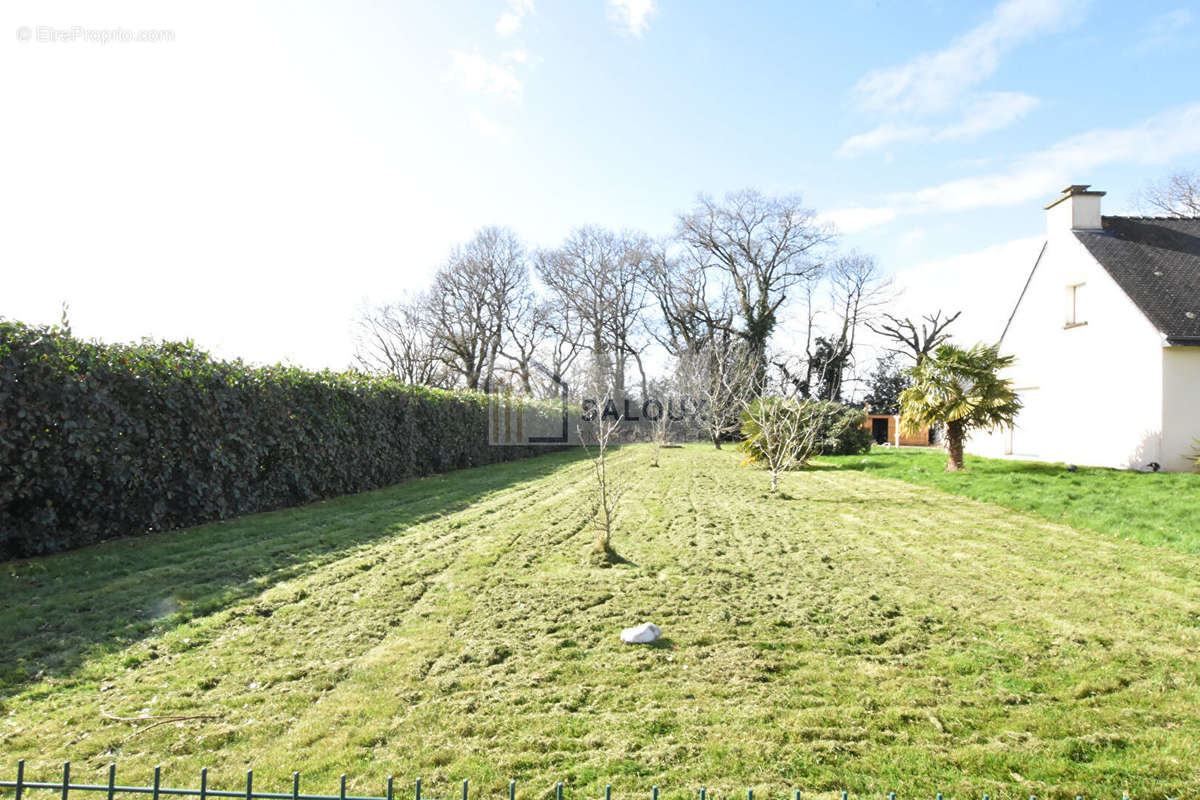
(961, 389)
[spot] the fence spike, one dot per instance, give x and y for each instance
(749, 794)
(558, 791)
(654, 793)
(341, 784)
(391, 780)
(20, 777)
(112, 780)
(512, 790)
(249, 784)
(295, 786)
(797, 794)
(157, 781)
(418, 789)
(203, 782)
(892, 796)
(608, 791)
(844, 795)
(464, 790)
(66, 779)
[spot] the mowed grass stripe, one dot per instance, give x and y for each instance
(856, 633)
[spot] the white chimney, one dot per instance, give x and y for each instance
(1077, 209)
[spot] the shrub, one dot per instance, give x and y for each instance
(99, 441)
(845, 435)
(839, 429)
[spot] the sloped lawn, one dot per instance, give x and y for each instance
(856, 633)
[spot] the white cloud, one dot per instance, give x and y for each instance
(1158, 140)
(1164, 32)
(886, 134)
(989, 112)
(477, 74)
(518, 55)
(940, 83)
(631, 15)
(982, 114)
(932, 82)
(512, 17)
(852, 220)
(911, 239)
(1037, 177)
(486, 126)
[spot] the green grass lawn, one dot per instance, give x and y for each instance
(1161, 509)
(857, 632)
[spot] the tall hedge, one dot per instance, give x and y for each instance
(99, 441)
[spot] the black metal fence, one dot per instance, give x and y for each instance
(157, 791)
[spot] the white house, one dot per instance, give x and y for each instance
(1107, 338)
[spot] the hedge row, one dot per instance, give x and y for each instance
(99, 441)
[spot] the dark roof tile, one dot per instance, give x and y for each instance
(1156, 261)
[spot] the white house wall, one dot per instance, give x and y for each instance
(1181, 406)
(1092, 393)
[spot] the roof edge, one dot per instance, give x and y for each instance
(1074, 194)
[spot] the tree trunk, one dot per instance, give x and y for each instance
(954, 446)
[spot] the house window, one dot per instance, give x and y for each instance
(1074, 317)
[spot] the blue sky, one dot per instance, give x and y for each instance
(252, 179)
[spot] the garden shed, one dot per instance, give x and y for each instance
(885, 429)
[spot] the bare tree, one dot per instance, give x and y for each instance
(693, 309)
(660, 435)
(629, 304)
(542, 342)
(719, 378)
(1177, 195)
(527, 329)
(597, 275)
(796, 369)
(857, 290)
(659, 427)
(764, 246)
(470, 301)
(911, 340)
(607, 487)
(838, 304)
(395, 340)
(562, 348)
